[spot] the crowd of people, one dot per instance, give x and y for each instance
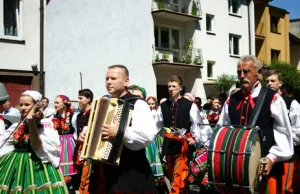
(41, 152)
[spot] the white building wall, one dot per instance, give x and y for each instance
(216, 47)
(16, 55)
(87, 36)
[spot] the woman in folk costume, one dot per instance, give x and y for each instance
(29, 152)
(152, 102)
(152, 153)
(62, 121)
(214, 111)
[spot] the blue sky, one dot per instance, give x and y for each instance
(292, 6)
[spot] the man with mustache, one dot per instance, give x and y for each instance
(273, 80)
(273, 121)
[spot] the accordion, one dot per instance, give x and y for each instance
(103, 111)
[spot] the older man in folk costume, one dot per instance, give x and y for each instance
(273, 121)
(179, 113)
(273, 80)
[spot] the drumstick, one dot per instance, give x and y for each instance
(264, 161)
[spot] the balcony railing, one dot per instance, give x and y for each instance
(179, 55)
(260, 29)
(192, 8)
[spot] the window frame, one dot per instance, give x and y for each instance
(19, 23)
(212, 23)
(210, 67)
(171, 43)
(230, 7)
(277, 24)
(231, 45)
(278, 54)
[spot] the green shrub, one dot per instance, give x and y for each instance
(289, 73)
(224, 82)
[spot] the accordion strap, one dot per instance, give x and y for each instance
(118, 141)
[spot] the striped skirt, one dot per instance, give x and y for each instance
(22, 171)
(154, 160)
(67, 164)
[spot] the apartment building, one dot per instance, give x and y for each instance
(295, 43)
(21, 53)
(271, 33)
(198, 40)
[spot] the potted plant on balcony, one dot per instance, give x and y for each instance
(194, 8)
(188, 47)
(156, 58)
(161, 4)
(165, 57)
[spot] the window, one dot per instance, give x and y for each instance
(166, 38)
(275, 55)
(210, 65)
(274, 24)
(11, 13)
(234, 6)
(234, 44)
(209, 23)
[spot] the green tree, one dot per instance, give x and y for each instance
(289, 73)
(224, 82)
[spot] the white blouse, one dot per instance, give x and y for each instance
(283, 148)
(201, 132)
(50, 150)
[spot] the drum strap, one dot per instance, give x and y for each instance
(257, 108)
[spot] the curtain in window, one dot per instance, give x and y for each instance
(11, 17)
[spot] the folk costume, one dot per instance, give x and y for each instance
(133, 175)
(181, 114)
(63, 125)
(275, 125)
(292, 185)
(24, 170)
(84, 169)
(213, 117)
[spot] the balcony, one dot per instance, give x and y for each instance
(176, 10)
(174, 56)
(259, 32)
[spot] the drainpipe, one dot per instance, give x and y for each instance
(42, 78)
(249, 27)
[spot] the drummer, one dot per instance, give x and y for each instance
(273, 120)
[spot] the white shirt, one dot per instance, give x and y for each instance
(294, 115)
(50, 151)
(283, 148)
(49, 112)
(142, 130)
(12, 112)
(202, 133)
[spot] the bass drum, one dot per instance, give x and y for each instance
(234, 159)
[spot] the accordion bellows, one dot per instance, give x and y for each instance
(103, 111)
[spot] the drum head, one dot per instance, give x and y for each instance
(254, 162)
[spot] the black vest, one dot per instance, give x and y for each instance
(288, 101)
(134, 173)
(242, 115)
(177, 116)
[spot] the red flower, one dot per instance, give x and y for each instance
(195, 170)
(204, 181)
(191, 178)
